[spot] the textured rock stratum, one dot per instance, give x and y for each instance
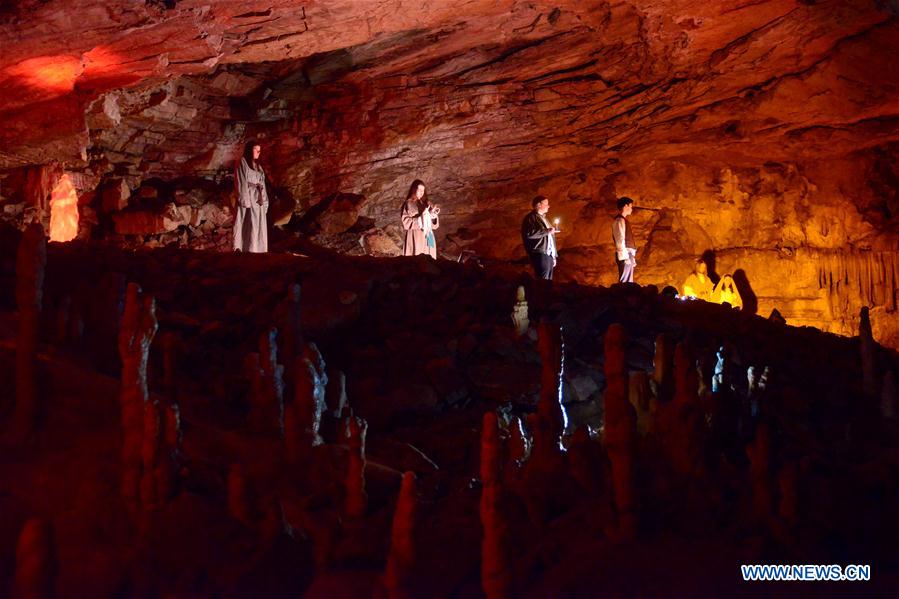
(766, 132)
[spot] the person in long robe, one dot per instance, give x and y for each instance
(419, 219)
(250, 226)
(698, 285)
(726, 291)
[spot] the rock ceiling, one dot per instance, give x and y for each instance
(764, 126)
(770, 79)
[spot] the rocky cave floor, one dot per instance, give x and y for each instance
(427, 348)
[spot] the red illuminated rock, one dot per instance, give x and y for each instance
(140, 415)
(267, 387)
(696, 110)
(356, 499)
(400, 572)
(36, 565)
(496, 572)
(620, 431)
(31, 259)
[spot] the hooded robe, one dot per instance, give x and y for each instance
(250, 227)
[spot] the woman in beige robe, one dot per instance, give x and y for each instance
(250, 227)
(420, 219)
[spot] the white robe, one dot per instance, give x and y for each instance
(250, 227)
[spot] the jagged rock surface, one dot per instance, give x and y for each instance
(766, 132)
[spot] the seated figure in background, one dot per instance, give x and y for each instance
(726, 291)
(698, 285)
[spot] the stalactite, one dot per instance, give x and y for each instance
(496, 566)
(136, 333)
(36, 565)
(31, 260)
(852, 279)
(620, 430)
(399, 575)
(356, 502)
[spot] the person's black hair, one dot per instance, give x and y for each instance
(248, 151)
(537, 200)
(624, 201)
(414, 187)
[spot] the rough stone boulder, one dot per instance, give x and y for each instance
(146, 222)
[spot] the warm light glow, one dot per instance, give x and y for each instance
(52, 73)
(63, 211)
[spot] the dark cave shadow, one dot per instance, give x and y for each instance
(750, 300)
(708, 257)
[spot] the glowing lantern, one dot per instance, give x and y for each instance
(63, 211)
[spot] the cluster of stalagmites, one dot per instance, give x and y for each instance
(677, 422)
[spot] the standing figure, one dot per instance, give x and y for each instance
(698, 284)
(625, 248)
(250, 228)
(539, 239)
(420, 219)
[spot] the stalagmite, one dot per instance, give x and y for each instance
(36, 565)
(662, 377)
(239, 499)
(30, 262)
(520, 313)
(303, 415)
(63, 317)
(620, 430)
(868, 351)
(337, 405)
(356, 501)
(267, 394)
(680, 421)
(788, 484)
(517, 449)
(585, 462)
(290, 332)
(400, 571)
(639, 396)
(889, 402)
(169, 367)
(496, 572)
(136, 333)
(759, 454)
(551, 413)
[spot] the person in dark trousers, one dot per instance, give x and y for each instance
(625, 248)
(539, 239)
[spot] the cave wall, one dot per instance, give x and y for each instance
(766, 132)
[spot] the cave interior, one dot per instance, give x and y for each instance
(332, 418)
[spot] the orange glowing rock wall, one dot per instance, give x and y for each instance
(764, 132)
(63, 211)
